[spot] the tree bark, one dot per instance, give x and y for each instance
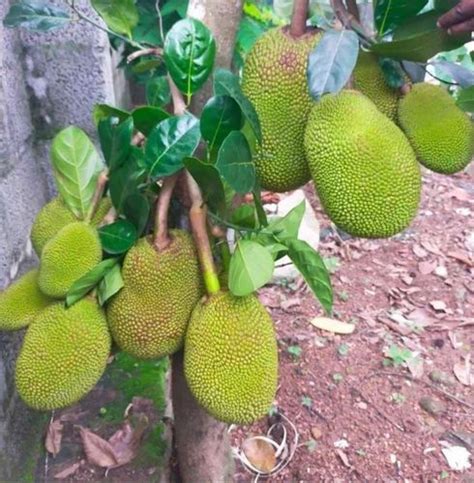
(202, 443)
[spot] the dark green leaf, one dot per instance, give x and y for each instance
(221, 115)
(332, 61)
(419, 39)
(235, 163)
(227, 84)
(147, 29)
(178, 6)
(393, 73)
(261, 215)
(147, 117)
(111, 283)
(391, 13)
(288, 226)
(37, 16)
(103, 111)
(169, 143)
(85, 284)
(158, 92)
(444, 5)
(189, 54)
(118, 237)
(123, 182)
(465, 99)
(76, 167)
(121, 16)
(245, 215)
(311, 266)
(137, 210)
(251, 267)
(208, 179)
(115, 140)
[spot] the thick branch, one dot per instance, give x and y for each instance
(353, 9)
(299, 17)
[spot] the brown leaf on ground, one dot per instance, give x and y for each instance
(260, 453)
(67, 472)
(331, 325)
(461, 257)
(54, 437)
(463, 372)
(98, 451)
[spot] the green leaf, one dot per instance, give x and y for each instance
(261, 215)
(189, 54)
(462, 75)
(208, 179)
(111, 283)
(251, 267)
(137, 210)
(37, 16)
(311, 266)
(85, 284)
(248, 33)
(227, 84)
(393, 73)
(169, 143)
(121, 16)
(220, 116)
(245, 215)
(419, 39)
(465, 100)
(103, 111)
(115, 140)
(288, 226)
(444, 5)
(178, 6)
(118, 237)
(148, 117)
(147, 30)
(391, 13)
(332, 61)
(76, 166)
(158, 91)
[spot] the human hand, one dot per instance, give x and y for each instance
(460, 19)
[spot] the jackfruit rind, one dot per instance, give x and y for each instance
(63, 356)
(73, 252)
(274, 80)
(231, 358)
(440, 133)
(149, 316)
(364, 169)
(21, 302)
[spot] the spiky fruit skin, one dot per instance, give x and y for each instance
(21, 302)
(440, 133)
(56, 215)
(369, 79)
(73, 252)
(231, 358)
(149, 316)
(364, 169)
(274, 80)
(64, 354)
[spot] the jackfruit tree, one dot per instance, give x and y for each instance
(151, 246)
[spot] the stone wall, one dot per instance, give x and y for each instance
(47, 82)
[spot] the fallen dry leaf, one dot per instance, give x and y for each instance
(463, 372)
(425, 268)
(430, 247)
(331, 325)
(260, 453)
(98, 451)
(421, 317)
(461, 257)
(67, 472)
(54, 437)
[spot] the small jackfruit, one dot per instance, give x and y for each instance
(56, 215)
(364, 169)
(21, 302)
(231, 358)
(149, 316)
(274, 80)
(64, 354)
(370, 80)
(440, 133)
(73, 252)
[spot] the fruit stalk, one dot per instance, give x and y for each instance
(353, 9)
(99, 192)
(161, 238)
(298, 18)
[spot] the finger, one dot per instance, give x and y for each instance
(459, 14)
(462, 28)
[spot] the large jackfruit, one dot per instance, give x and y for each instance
(149, 316)
(364, 169)
(440, 133)
(231, 358)
(274, 79)
(370, 80)
(21, 302)
(56, 215)
(64, 354)
(73, 252)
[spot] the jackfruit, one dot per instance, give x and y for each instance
(73, 252)
(364, 169)
(64, 354)
(440, 133)
(149, 316)
(56, 215)
(231, 358)
(369, 79)
(274, 80)
(21, 302)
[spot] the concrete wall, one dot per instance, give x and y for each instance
(47, 82)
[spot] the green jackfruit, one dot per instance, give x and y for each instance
(21, 302)
(64, 354)
(73, 252)
(440, 133)
(274, 80)
(149, 316)
(364, 169)
(231, 358)
(56, 215)
(370, 80)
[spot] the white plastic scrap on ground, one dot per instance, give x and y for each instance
(457, 457)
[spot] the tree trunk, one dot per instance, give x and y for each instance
(202, 443)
